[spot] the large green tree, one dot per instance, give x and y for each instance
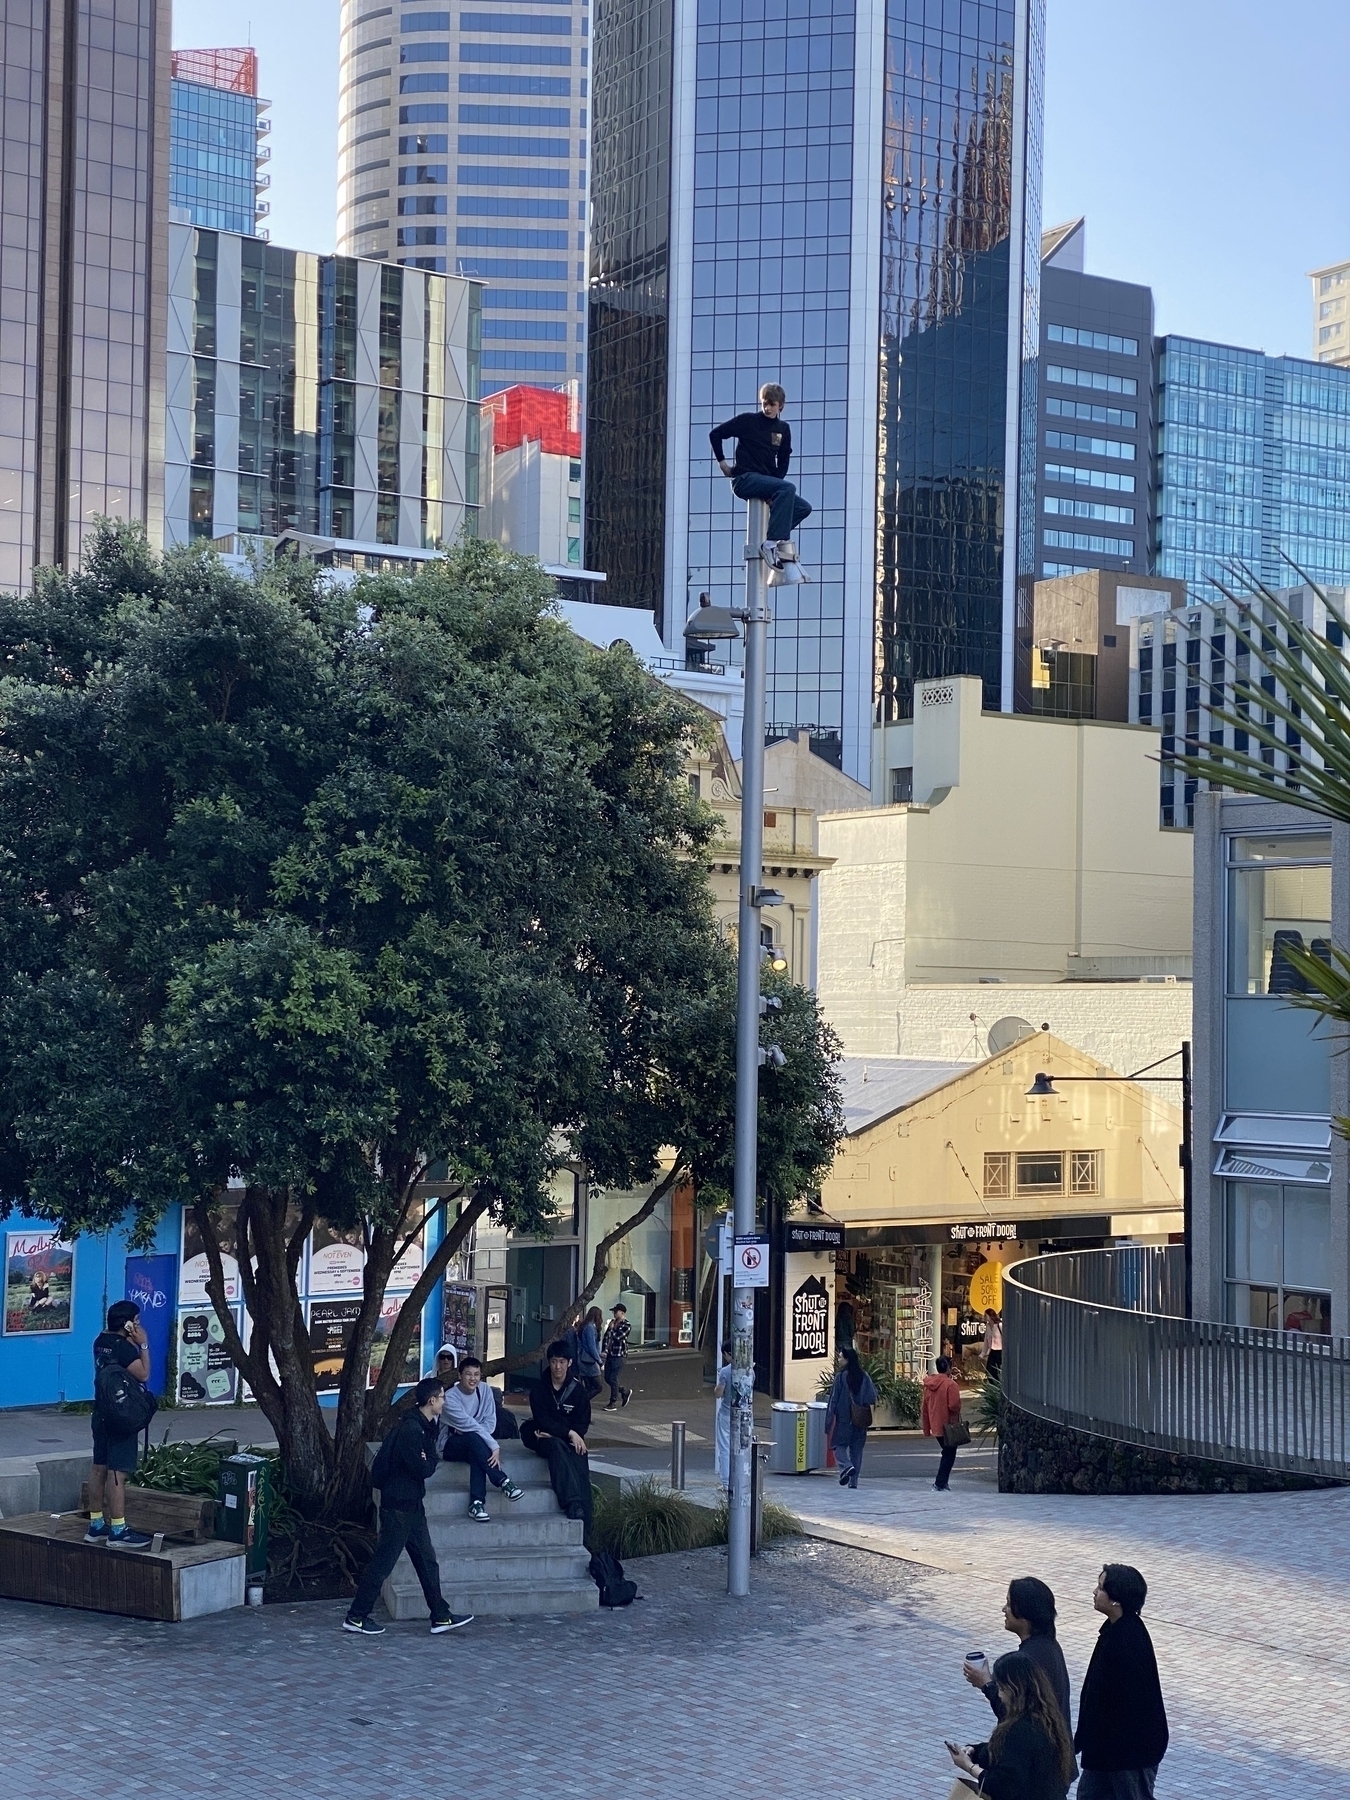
(303, 891)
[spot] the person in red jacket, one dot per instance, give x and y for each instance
(941, 1408)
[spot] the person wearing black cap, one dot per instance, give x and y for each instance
(405, 1460)
(560, 1417)
(614, 1349)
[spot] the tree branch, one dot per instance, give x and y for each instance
(258, 1375)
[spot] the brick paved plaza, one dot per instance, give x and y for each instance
(839, 1678)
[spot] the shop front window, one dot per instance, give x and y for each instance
(639, 1264)
(1277, 1256)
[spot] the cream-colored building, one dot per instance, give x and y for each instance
(1331, 314)
(947, 1166)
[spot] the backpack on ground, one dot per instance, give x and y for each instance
(124, 1405)
(607, 1574)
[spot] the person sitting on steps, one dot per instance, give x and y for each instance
(560, 1417)
(763, 452)
(467, 1427)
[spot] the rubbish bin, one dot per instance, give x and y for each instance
(815, 1433)
(787, 1452)
(241, 1513)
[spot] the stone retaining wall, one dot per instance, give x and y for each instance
(1037, 1456)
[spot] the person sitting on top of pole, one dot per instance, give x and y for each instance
(763, 452)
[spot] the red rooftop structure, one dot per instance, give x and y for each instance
(531, 415)
(236, 71)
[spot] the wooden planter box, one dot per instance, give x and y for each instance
(45, 1559)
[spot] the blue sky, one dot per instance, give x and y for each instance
(1204, 139)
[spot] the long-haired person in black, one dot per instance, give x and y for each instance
(1029, 1613)
(1028, 1756)
(848, 1417)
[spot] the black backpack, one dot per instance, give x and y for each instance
(383, 1466)
(124, 1405)
(607, 1574)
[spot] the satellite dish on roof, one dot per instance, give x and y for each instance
(1004, 1033)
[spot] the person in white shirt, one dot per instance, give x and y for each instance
(993, 1343)
(467, 1427)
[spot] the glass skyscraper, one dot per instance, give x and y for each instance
(841, 195)
(1253, 467)
(84, 137)
(462, 145)
(215, 151)
(318, 394)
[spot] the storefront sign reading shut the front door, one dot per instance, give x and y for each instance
(811, 1319)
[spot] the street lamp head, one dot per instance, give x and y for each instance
(710, 622)
(775, 960)
(1043, 1088)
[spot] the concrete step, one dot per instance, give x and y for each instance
(520, 1565)
(528, 1559)
(454, 1536)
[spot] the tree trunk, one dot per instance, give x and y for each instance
(287, 1398)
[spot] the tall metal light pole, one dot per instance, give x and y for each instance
(748, 1014)
(711, 623)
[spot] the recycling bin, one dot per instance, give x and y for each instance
(788, 1446)
(816, 1451)
(242, 1507)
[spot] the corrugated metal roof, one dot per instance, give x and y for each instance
(875, 1086)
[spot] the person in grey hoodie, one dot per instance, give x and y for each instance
(467, 1427)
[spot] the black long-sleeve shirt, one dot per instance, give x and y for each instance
(1049, 1659)
(1027, 1766)
(763, 445)
(412, 1461)
(560, 1410)
(1122, 1723)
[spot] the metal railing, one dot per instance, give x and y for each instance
(1096, 1340)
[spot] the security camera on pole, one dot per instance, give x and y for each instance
(763, 446)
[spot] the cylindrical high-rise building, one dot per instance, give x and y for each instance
(842, 196)
(462, 143)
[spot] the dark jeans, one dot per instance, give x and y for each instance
(787, 509)
(613, 1375)
(401, 1528)
(849, 1443)
(994, 1364)
(945, 1464)
(468, 1447)
(569, 1472)
(1117, 1784)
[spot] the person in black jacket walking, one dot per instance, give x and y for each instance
(1029, 1613)
(560, 1417)
(1029, 1756)
(404, 1462)
(763, 452)
(1122, 1723)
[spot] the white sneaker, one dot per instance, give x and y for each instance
(769, 550)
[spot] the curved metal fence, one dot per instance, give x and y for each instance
(1095, 1339)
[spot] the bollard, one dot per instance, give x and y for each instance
(677, 1431)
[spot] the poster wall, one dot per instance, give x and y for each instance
(151, 1281)
(336, 1259)
(195, 1271)
(39, 1283)
(412, 1362)
(331, 1323)
(206, 1376)
(459, 1318)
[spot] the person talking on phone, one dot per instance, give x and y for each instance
(122, 1342)
(1029, 1755)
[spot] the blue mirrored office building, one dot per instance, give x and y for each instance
(841, 196)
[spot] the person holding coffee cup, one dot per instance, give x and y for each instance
(1029, 1614)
